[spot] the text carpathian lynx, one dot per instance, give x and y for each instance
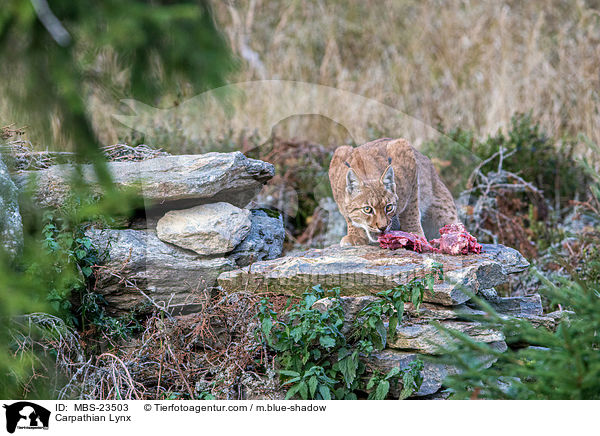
(388, 185)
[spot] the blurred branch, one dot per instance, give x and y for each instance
(51, 23)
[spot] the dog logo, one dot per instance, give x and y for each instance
(26, 415)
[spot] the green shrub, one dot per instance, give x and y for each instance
(538, 158)
(318, 361)
(540, 363)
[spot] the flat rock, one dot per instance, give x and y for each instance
(433, 373)
(517, 306)
(264, 242)
(11, 226)
(190, 179)
(415, 332)
(141, 267)
(365, 270)
(427, 339)
(208, 229)
(427, 311)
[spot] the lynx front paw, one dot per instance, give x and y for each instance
(345, 242)
(350, 240)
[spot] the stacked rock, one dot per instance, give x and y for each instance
(11, 226)
(196, 226)
(360, 272)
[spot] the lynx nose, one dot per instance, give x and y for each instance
(382, 229)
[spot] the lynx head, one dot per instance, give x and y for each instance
(371, 204)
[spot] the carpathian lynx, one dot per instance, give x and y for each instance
(388, 185)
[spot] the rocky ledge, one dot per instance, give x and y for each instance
(369, 269)
(361, 272)
(185, 179)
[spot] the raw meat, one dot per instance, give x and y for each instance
(454, 240)
(397, 239)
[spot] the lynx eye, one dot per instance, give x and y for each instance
(368, 210)
(389, 208)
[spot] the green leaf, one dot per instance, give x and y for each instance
(327, 341)
(312, 385)
(309, 300)
(416, 296)
(293, 390)
(382, 334)
(325, 393)
(294, 380)
(303, 390)
(382, 390)
(393, 323)
(407, 386)
(371, 383)
(289, 373)
(348, 367)
(266, 327)
(429, 281)
(399, 305)
(392, 373)
(316, 353)
(343, 352)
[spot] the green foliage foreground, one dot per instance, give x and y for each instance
(540, 363)
(319, 360)
(51, 52)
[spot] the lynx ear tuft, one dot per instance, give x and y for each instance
(388, 179)
(352, 183)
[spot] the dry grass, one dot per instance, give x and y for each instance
(450, 62)
(213, 352)
(453, 62)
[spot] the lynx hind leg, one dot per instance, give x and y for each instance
(437, 217)
(410, 221)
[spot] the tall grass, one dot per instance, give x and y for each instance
(444, 62)
(454, 62)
